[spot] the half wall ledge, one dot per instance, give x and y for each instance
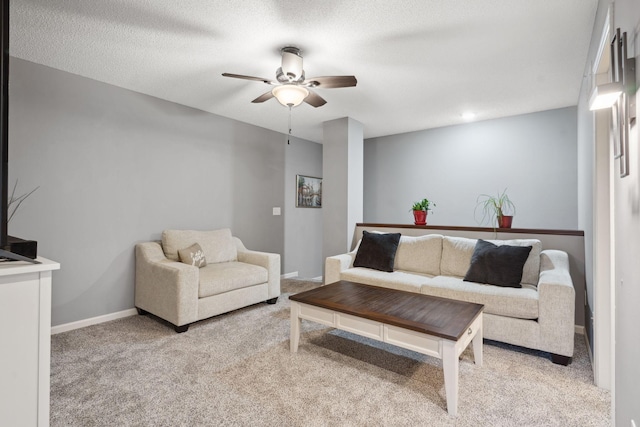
(477, 229)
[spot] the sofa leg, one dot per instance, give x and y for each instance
(272, 300)
(560, 360)
(141, 312)
(181, 329)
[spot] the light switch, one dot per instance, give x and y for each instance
(276, 211)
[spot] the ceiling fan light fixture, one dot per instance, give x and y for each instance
(290, 95)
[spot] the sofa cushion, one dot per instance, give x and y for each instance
(193, 255)
(497, 265)
(521, 303)
(217, 245)
(420, 254)
(223, 277)
(400, 280)
(457, 252)
(456, 255)
(377, 251)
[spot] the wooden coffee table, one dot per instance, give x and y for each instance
(434, 326)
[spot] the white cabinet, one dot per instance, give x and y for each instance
(25, 342)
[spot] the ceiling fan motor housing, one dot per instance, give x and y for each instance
(291, 69)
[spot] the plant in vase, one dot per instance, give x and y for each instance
(420, 210)
(499, 207)
(14, 201)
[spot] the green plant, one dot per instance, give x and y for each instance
(422, 205)
(493, 207)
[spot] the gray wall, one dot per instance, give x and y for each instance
(533, 155)
(116, 167)
(303, 226)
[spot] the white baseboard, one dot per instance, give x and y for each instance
(93, 321)
(289, 275)
(579, 329)
(319, 278)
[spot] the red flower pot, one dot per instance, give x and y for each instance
(504, 221)
(420, 217)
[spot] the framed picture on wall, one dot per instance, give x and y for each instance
(308, 192)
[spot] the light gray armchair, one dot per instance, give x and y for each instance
(181, 293)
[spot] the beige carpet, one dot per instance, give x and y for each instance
(236, 369)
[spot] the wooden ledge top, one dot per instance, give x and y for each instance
(482, 229)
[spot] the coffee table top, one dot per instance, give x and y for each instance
(442, 317)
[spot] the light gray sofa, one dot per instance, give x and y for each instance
(180, 293)
(540, 315)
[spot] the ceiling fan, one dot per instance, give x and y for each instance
(291, 87)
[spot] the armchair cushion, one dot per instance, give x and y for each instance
(217, 245)
(223, 277)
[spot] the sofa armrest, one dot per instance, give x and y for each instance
(334, 265)
(556, 304)
(268, 260)
(166, 288)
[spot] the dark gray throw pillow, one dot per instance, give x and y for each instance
(497, 265)
(377, 251)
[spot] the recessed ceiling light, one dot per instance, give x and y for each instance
(468, 116)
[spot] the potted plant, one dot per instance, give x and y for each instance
(420, 209)
(499, 207)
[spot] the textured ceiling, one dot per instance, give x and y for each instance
(419, 64)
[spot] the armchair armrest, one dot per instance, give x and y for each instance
(270, 261)
(556, 302)
(334, 265)
(165, 288)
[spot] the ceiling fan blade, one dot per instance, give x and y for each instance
(264, 97)
(314, 100)
(258, 79)
(329, 82)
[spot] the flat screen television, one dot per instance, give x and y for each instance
(7, 251)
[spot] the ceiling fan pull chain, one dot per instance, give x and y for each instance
(289, 136)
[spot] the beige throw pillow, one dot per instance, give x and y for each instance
(193, 255)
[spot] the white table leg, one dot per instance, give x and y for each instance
(294, 338)
(450, 367)
(477, 344)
